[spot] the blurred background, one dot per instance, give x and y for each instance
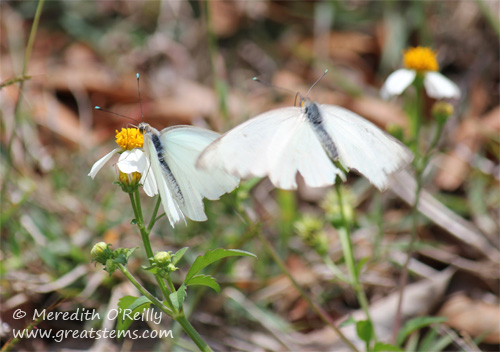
(197, 61)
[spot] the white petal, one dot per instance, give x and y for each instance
(438, 86)
(150, 186)
(132, 161)
(100, 163)
(397, 82)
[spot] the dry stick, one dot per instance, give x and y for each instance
(317, 309)
(27, 55)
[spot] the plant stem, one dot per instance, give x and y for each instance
(419, 164)
(145, 292)
(136, 206)
(193, 334)
(317, 309)
(219, 85)
(153, 219)
(27, 55)
(345, 241)
(169, 308)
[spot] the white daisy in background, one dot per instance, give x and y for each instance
(420, 61)
(132, 164)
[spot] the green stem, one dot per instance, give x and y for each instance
(136, 206)
(420, 163)
(416, 117)
(219, 85)
(27, 55)
(169, 308)
(345, 241)
(335, 269)
(317, 309)
(193, 334)
(145, 292)
(153, 219)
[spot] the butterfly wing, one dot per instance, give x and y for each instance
(278, 144)
(363, 146)
(183, 145)
(169, 204)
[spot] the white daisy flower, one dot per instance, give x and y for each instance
(420, 61)
(132, 161)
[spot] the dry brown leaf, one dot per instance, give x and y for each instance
(50, 113)
(378, 111)
(470, 136)
(477, 318)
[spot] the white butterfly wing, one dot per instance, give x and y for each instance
(276, 144)
(169, 204)
(183, 145)
(363, 146)
(243, 150)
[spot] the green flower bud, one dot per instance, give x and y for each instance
(110, 266)
(128, 182)
(171, 267)
(310, 229)
(162, 258)
(100, 253)
(332, 207)
(441, 110)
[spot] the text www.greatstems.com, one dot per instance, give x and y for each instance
(60, 335)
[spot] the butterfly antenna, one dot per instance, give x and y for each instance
(140, 100)
(272, 85)
(319, 79)
(115, 113)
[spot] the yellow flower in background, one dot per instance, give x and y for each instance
(422, 61)
(132, 161)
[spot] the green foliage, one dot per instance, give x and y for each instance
(416, 324)
(130, 306)
(364, 329)
(177, 297)
(385, 347)
(212, 256)
(199, 264)
(204, 280)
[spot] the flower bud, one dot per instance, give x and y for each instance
(162, 258)
(171, 267)
(100, 252)
(311, 230)
(128, 182)
(441, 110)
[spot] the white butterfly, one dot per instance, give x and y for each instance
(172, 154)
(306, 139)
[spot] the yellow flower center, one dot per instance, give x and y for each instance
(129, 138)
(420, 59)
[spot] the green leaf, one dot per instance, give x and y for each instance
(347, 322)
(385, 347)
(179, 254)
(416, 324)
(360, 265)
(208, 258)
(364, 330)
(205, 280)
(128, 307)
(178, 296)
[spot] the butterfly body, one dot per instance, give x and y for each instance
(172, 153)
(283, 142)
(315, 118)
